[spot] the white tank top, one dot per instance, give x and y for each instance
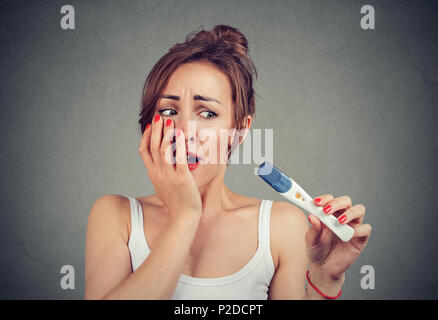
(249, 283)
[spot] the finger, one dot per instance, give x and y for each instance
(337, 205)
(355, 214)
(313, 235)
(181, 153)
(361, 235)
(156, 137)
(318, 234)
(167, 145)
(315, 223)
(322, 200)
(144, 147)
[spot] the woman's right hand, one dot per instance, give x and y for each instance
(173, 183)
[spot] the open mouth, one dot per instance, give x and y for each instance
(192, 159)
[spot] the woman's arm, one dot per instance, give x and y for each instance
(108, 272)
(288, 229)
(330, 287)
(327, 255)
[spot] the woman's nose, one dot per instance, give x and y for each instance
(188, 126)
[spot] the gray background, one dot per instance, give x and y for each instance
(353, 113)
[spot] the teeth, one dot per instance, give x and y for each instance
(191, 159)
(189, 156)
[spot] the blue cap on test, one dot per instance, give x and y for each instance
(274, 177)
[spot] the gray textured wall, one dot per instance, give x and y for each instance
(353, 112)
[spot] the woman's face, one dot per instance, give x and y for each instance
(198, 99)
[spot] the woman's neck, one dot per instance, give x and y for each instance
(216, 197)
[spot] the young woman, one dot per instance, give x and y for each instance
(195, 238)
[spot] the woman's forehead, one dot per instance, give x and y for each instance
(199, 79)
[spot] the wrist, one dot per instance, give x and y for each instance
(185, 220)
(324, 279)
(327, 285)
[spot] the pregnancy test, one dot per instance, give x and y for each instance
(293, 192)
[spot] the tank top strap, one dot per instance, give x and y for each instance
(137, 230)
(264, 230)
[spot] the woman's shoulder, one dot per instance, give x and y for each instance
(281, 211)
(113, 203)
(286, 216)
(284, 210)
(112, 211)
(287, 222)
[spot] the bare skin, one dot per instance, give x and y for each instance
(204, 229)
(230, 238)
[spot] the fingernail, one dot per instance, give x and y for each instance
(327, 208)
(342, 218)
(178, 132)
(147, 126)
(168, 122)
(157, 117)
(317, 200)
(309, 219)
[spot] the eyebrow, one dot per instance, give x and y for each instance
(195, 97)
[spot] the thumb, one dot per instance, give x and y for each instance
(315, 223)
(314, 233)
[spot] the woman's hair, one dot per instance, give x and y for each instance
(223, 46)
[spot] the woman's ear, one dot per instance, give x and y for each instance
(246, 124)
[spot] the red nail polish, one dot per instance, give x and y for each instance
(327, 208)
(309, 219)
(317, 200)
(168, 122)
(147, 126)
(342, 218)
(157, 117)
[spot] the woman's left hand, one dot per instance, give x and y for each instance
(327, 254)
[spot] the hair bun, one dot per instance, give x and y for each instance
(233, 37)
(225, 33)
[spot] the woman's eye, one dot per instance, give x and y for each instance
(212, 114)
(162, 111)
